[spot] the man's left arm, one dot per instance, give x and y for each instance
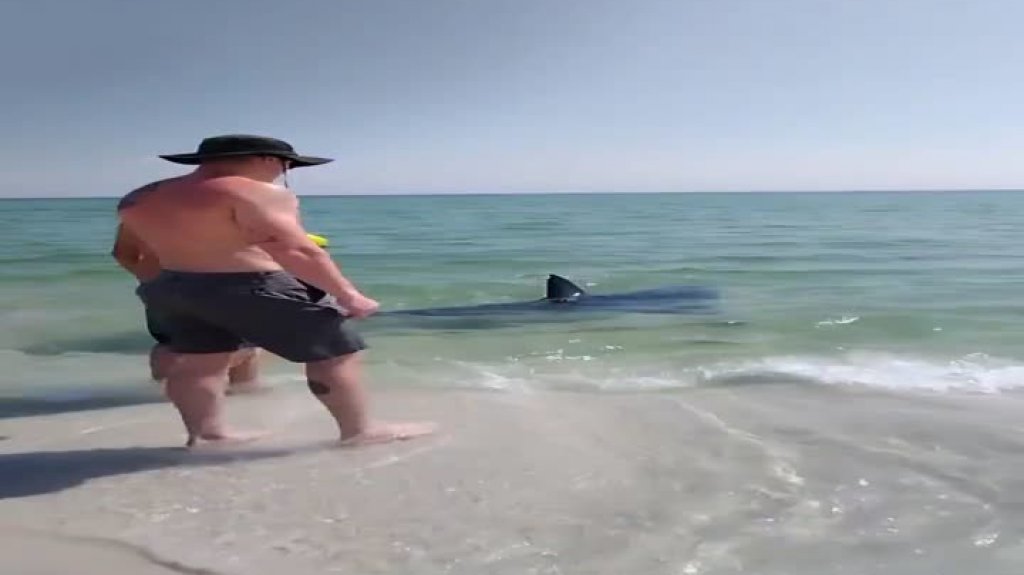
(128, 251)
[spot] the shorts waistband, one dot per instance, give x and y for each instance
(223, 277)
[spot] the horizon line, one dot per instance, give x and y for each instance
(581, 193)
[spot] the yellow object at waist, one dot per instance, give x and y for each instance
(319, 240)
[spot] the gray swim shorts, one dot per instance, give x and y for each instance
(155, 328)
(224, 312)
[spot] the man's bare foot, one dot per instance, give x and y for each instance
(227, 437)
(388, 432)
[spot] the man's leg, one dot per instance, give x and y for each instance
(336, 383)
(286, 318)
(196, 385)
(160, 360)
(244, 372)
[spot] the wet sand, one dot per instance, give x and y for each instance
(770, 479)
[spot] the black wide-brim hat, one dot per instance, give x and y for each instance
(243, 145)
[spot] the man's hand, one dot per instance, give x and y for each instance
(361, 306)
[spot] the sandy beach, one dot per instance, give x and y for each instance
(741, 479)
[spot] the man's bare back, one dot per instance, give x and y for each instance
(191, 222)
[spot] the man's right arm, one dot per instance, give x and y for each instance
(269, 217)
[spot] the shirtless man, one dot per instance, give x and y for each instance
(141, 262)
(237, 266)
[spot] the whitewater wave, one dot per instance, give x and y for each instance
(71, 382)
(977, 373)
(974, 373)
(844, 320)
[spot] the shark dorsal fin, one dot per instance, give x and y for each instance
(561, 289)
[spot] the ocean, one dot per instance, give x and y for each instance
(851, 406)
(914, 292)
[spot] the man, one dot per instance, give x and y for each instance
(138, 260)
(238, 266)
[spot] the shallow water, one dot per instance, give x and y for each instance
(916, 291)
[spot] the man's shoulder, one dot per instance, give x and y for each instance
(248, 189)
(133, 197)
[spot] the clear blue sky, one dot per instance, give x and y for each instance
(520, 95)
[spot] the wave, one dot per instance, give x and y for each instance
(974, 373)
(977, 373)
(609, 371)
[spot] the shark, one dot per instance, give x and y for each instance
(564, 299)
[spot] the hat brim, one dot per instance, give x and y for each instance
(196, 159)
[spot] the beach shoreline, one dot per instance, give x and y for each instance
(694, 481)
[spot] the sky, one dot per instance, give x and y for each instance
(520, 96)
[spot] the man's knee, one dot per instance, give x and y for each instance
(318, 388)
(161, 360)
(323, 375)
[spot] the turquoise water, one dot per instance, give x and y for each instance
(912, 292)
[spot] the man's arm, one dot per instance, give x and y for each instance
(270, 219)
(128, 251)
